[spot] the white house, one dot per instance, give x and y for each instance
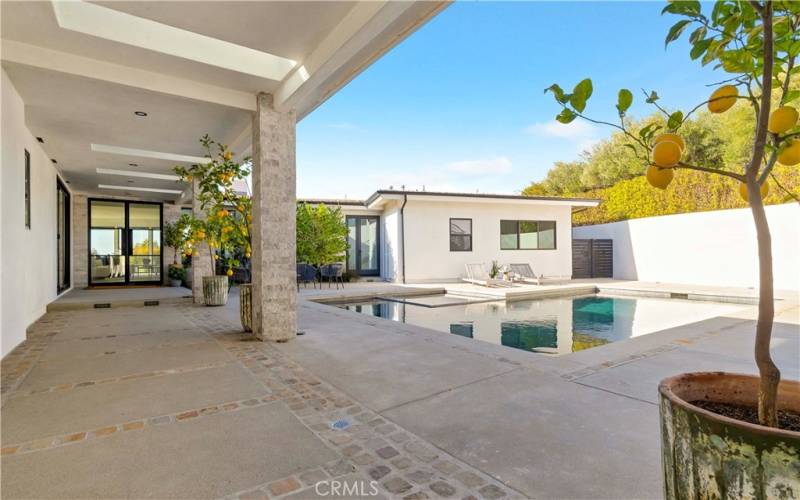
(419, 236)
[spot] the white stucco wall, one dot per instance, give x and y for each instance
(707, 248)
(391, 248)
(27, 256)
(427, 238)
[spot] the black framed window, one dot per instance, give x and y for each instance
(527, 235)
(27, 189)
(460, 235)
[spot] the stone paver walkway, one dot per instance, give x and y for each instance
(52, 420)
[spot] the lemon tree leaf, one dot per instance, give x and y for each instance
(566, 116)
(699, 48)
(675, 120)
(675, 31)
(558, 93)
(792, 95)
(624, 101)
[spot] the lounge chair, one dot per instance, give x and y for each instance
(525, 274)
(477, 275)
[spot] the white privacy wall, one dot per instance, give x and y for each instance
(27, 256)
(427, 238)
(703, 248)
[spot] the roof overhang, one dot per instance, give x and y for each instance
(83, 68)
(381, 198)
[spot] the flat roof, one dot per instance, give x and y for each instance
(383, 192)
(484, 197)
(331, 201)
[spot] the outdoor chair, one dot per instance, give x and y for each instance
(477, 275)
(525, 274)
(334, 273)
(306, 273)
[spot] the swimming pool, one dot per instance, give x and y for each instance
(555, 325)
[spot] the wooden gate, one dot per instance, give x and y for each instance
(592, 258)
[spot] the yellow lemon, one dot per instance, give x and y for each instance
(216, 257)
(247, 254)
(659, 177)
(744, 195)
(227, 155)
(722, 99)
(666, 154)
(782, 119)
(791, 154)
(230, 272)
(671, 137)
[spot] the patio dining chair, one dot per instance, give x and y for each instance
(306, 273)
(334, 272)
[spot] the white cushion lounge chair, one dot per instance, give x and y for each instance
(477, 275)
(525, 274)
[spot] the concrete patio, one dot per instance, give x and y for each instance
(176, 403)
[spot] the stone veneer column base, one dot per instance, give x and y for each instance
(274, 268)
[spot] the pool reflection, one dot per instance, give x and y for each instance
(555, 326)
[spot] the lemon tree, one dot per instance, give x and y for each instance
(756, 44)
(227, 226)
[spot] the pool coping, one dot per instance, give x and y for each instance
(515, 296)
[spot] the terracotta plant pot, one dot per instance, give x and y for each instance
(706, 455)
(215, 290)
(246, 306)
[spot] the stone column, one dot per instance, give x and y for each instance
(201, 262)
(274, 207)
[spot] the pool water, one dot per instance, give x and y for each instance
(554, 326)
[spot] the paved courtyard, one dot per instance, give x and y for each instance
(173, 402)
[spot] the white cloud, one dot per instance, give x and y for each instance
(575, 130)
(499, 165)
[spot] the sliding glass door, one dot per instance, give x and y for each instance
(144, 236)
(124, 242)
(363, 238)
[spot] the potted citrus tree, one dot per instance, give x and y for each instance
(225, 225)
(175, 235)
(723, 434)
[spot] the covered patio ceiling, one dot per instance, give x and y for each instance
(121, 90)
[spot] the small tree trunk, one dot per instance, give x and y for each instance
(770, 375)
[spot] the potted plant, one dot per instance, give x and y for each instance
(494, 271)
(227, 221)
(723, 434)
(175, 237)
(176, 275)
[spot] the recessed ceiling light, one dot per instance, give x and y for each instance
(140, 113)
(133, 164)
(53, 160)
(40, 140)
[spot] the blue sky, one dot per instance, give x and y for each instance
(458, 106)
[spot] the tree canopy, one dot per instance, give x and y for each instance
(610, 171)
